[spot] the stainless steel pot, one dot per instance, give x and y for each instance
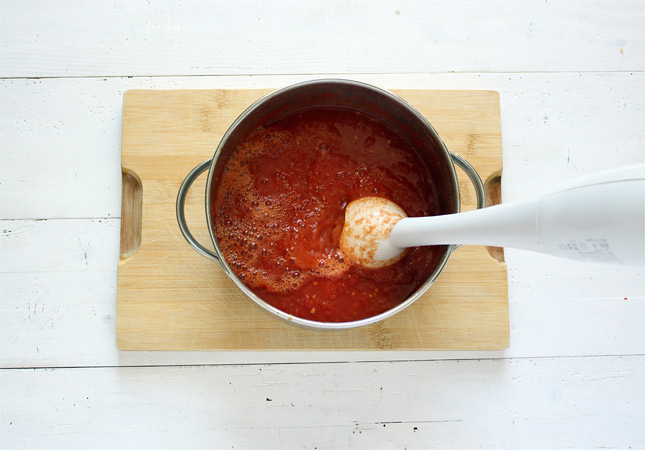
(343, 94)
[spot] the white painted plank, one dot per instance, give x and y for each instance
(59, 245)
(58, 282)
(65, 38)
(60, 158)
(58, 319)
(559, 403)
(60, 149)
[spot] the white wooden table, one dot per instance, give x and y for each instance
(571, 77)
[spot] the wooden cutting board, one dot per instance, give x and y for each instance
(171, 298)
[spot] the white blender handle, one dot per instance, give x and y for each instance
(599, 218)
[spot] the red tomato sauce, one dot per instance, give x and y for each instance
(279, 207)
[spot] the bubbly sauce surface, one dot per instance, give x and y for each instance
(278, 212)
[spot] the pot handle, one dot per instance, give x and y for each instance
(181, 216)
(474, 178)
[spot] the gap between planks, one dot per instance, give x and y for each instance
(325, 74)
(311, 363)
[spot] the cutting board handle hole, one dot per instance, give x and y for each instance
(131, 213)
(493, 188)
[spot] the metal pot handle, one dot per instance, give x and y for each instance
(181, 216)
(474, 178)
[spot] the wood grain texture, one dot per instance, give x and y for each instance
(130, 236)
(560, 403)
(170, 298)
(202, 37)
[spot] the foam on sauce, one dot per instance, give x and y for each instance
(279, 210)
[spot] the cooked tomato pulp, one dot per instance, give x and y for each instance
(278, 212)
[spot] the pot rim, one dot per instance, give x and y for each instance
(258, 300)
